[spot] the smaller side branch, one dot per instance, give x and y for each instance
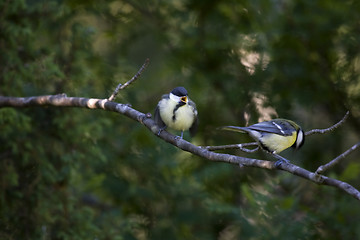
(136, 76)
(336, 160)
(311, 132)
(241, 146)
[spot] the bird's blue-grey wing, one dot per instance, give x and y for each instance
(194, 127)
(277, 127)
(157, 117)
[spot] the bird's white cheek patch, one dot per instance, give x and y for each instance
(300, 138)
(174, 98)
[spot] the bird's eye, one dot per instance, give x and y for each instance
(184, 99)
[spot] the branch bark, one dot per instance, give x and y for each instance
(61, 100)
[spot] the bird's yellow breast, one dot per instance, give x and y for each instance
(184, 115)
(277, 143)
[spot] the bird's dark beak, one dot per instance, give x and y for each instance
(184, 99)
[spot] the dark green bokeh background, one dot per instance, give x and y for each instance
(81, 174)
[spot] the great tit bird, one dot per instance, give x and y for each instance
(177, 111)
(274, 136)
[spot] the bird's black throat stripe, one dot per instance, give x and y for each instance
(180, 104)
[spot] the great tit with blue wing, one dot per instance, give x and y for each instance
(175, 110)
(274, 136)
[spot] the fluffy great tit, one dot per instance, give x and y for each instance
(175, 110)
(274, 136)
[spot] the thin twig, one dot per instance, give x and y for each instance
(311, 132)
(241, 146)
(336, 160)
(136, 76)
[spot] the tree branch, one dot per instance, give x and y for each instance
(333, 127)
(122, 86)
(62, 100)
(241, 147)
(336, 160)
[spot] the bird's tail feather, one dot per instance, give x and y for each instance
(234, 129)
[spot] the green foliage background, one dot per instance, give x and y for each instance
(80, 174)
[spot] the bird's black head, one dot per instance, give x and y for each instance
(179, 91)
